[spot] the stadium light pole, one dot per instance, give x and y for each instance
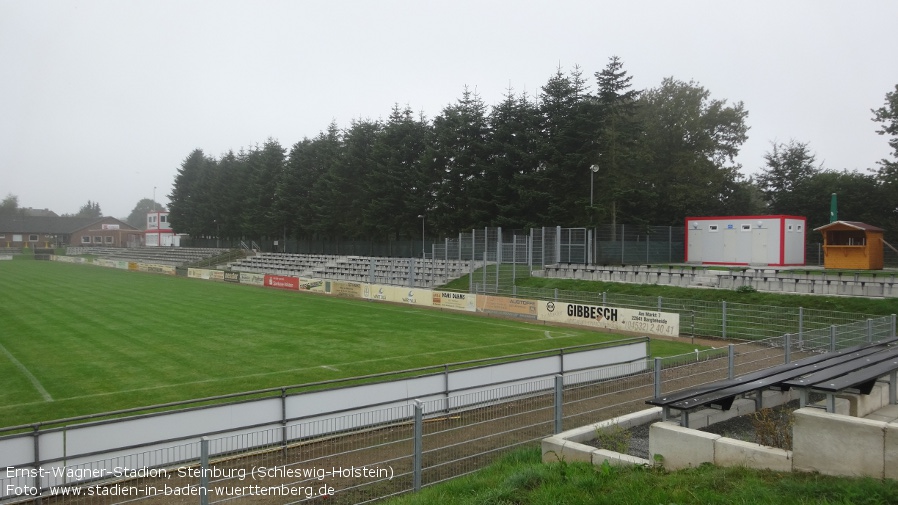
(592, 172)
(421, 217)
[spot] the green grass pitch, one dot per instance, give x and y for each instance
(79, 339)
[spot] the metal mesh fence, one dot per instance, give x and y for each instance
(732, 321)
(372, 454)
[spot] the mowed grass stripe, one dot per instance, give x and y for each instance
(102, 339)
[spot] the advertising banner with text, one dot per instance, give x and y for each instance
(612, 318)
(252, 278)
(281, 282)
(346, 289)
(316, 285)
(508, 307)
(156, 269)
(455, 301)
(398, 294)
(199, 273)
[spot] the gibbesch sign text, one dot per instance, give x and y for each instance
(612, 318)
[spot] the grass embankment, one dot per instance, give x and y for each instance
(877, 306)
(520, 478)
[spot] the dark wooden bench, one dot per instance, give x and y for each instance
(858, 375)
(722, 394)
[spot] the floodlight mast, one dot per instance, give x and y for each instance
(423, 254)
(592, 172)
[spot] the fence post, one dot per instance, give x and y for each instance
(559, 402)
(800, 327)
(659, 304)
(604, 298)
(419, 445)
(788, 346)
(484, 269)
(37, 462)
(204, 471)
(622, 244)
(556, 294)
(893, 326)
(471, 277)
(284, 420)
(657, 384)
(869, 330)
(832, 338)
(647, 248)
(558, 246)
(731, 361)
(670, 244)
(514, 259)
(724, 319)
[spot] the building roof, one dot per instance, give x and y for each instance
(39, 212)
(53, 224)
(854, 225)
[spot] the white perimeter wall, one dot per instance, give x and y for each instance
(337, 410)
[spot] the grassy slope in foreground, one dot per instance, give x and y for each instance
(521, 478)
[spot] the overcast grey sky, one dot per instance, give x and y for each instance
(103, 100)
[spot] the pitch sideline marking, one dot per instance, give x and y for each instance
(34, 382)
(206, 381)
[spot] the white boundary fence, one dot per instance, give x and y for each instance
(51, 451)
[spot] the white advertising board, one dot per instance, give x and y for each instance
(635, 320)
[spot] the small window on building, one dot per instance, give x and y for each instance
(790, 228)
(712, 227)
(32, 238)
(85, 239)
(108, 240)
(163, 219)
(746, 227)
(98, 240)
(798, 228)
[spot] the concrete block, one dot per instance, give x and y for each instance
(705, 417)
(732, 452)
(891, 451)
(680, 447)
(888, 412)
(588, 432)
(600, 456)
(835, 444)
(863, 405)
(740, 407)
(557, 449)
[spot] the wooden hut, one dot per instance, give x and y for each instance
(853, 245)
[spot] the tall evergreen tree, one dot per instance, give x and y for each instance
(512, 145)
(622, 181)
(347, 195)
(317, 161)
(398, 187)
(190, 199)
(265, 167)
(458, 153)
(229, 186)
(569, 129)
